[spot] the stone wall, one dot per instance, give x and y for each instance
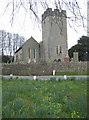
(43, 68)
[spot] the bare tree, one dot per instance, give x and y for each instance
(9, 43)
(3, 41)
(21, 41)
(0, 42)
(35, 6)
(15, 42)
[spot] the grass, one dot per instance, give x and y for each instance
(74, 73)
(44, 98)
(71, 73)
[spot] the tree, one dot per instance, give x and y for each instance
(35, 6)
(9, 40)
(7, 59)
(3, 41)
(9, 43)
(82, 48)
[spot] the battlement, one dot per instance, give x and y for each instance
(56, 12)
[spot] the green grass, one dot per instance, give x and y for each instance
(74, 73)
(44, 98)
(70, 73)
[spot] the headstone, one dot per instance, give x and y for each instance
(65, 77)
(53, 72)
(11, 75)
(75, 56)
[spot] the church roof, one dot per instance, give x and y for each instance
(31, 38)
(18, 49)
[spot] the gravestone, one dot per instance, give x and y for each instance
(75, 57)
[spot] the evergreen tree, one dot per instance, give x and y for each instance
(82, 48)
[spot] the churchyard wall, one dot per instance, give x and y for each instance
(43, 68)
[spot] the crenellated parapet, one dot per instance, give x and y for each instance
(56, 12)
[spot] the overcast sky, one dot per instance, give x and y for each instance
(26, 27)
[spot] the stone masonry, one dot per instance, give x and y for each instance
(54, 34)
(43, 68)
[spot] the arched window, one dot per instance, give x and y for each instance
(29, 52)
(34, 53)
(57, 50)
(60, 49)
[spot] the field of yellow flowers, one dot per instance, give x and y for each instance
(44, 98)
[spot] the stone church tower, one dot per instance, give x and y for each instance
(54, 35)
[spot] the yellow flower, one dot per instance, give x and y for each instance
(59, 104)
(74, 113)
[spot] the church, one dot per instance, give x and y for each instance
(53, 46)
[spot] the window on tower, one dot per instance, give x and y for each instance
(60, 49)
(57, 50)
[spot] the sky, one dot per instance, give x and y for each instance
(25, 26)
